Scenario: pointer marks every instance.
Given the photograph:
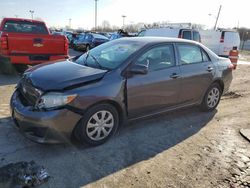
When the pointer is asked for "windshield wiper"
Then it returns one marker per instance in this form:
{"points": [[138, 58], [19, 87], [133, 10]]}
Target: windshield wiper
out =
{"points": [[87, 56], [96, 62]]}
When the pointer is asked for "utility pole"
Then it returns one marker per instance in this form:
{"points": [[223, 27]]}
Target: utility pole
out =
{"points": [[123, 20], [32, 12], [217, 18], [95, 14]]}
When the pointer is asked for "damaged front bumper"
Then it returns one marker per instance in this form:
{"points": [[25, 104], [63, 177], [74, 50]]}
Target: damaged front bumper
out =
{"points": [[55, 126]]}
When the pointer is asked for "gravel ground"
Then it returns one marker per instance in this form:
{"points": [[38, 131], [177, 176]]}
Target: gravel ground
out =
{"points": [[185, 148]]}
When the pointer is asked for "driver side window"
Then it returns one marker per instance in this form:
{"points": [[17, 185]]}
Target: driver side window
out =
{"points": [[158, 58]]}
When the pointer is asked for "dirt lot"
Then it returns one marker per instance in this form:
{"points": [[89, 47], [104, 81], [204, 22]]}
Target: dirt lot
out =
{"points": [[186, 148]]}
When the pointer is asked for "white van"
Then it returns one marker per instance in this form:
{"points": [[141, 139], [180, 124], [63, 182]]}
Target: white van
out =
{"points": [[171, 32], [220, 42]]}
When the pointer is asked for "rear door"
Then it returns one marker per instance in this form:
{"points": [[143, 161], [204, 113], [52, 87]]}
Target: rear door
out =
{"points": [[25, 37], [197, 72], [159, 88]]}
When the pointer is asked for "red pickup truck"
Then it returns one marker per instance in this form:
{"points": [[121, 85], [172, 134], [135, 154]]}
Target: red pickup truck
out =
{"points": [[29, 42]]}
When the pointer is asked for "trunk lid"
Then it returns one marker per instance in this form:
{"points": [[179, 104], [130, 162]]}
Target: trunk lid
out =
{"points": [[28, 44]]}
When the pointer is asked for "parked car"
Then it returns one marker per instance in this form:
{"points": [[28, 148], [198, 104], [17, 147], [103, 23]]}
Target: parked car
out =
{"points": [[106, 34], [29, 42], [76, 38], [119, 34], [221, 41], [90, 40], [122, 80], [172, 32]]}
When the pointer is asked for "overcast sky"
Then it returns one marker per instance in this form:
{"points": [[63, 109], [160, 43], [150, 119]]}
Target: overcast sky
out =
{"points": [[58, 12]]}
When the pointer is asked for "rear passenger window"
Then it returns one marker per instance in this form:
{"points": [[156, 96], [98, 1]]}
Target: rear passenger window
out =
{"points": [[158, 58], [186, 35], [189, 54], [25, 27]]}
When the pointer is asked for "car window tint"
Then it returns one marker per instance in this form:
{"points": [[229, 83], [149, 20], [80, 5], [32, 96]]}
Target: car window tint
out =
{"points": [[189, 54], [187, 35], [158, 58], [196, 36]]}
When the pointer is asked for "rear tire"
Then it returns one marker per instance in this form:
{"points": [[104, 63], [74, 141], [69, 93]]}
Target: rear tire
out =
{"points": [[6, 67], [211, 98], [20, 68], [97, 125]]}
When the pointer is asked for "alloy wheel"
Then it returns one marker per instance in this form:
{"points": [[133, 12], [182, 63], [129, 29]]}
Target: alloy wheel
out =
{"points": [[213, 97]]}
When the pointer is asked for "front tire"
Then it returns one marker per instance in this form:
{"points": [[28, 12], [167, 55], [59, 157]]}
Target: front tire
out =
{"points": [[97, 125], [211, 98]]}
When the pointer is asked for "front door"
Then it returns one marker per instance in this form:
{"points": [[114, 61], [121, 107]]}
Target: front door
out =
{"points": [[159, 88]]}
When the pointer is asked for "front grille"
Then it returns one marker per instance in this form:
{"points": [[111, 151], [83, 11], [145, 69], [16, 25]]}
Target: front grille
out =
{"points": [[29, 95]]}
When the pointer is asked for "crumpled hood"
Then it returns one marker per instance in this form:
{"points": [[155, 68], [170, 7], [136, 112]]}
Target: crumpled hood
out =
{"points": [[61, 75]]}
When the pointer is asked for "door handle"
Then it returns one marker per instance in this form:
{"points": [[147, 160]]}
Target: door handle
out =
{"points": [[174, 75], [209, 69]]}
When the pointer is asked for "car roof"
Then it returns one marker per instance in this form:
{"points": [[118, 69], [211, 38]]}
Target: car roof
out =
{"points": [[156, 40], [99, 36]]}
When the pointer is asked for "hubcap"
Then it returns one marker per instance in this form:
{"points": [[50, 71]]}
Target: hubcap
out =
{"points": [[100, 125], [213, 97]]}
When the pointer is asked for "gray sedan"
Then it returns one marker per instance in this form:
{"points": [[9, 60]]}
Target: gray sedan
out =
{"points": [[90, 96]]}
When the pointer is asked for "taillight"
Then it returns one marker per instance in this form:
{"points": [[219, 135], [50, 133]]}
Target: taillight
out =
{"points": [[231, 66], [66, 45], [4, 42]]}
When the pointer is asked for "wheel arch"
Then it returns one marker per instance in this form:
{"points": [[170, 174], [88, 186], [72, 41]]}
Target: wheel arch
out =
{"points": [[115, 104], [220, 82]]}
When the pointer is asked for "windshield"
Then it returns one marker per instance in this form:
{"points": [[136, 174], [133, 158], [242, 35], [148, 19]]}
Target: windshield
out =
{"points": [[141, 33], [109, 55]]}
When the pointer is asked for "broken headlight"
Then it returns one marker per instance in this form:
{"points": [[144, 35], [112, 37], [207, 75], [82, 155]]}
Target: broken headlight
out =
{"points": [[54, 100]]}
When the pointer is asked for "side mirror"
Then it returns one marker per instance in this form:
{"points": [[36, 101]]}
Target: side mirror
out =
{"points": [[139, 69]]}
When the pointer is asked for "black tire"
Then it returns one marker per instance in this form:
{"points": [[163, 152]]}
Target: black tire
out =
{"points": [[205, 103], [81, 129], [20, 68]]}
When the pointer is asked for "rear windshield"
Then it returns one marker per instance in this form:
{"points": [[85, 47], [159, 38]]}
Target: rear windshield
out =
{"points": [[24, 27]]}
